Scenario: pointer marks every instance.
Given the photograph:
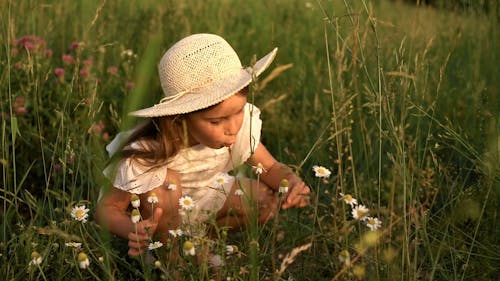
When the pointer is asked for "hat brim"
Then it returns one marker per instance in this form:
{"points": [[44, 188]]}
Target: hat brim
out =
{"points": [[209, 95]]}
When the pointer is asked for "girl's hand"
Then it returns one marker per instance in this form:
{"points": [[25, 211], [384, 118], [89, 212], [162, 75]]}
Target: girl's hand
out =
{"points": [[137, 242], [298, 193]]}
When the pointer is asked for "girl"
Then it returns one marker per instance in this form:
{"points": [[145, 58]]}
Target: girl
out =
{"points": [[202, 129]]}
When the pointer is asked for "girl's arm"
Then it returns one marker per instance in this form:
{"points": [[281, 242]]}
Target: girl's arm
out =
{"points": [[298, 192], [111, 214]]}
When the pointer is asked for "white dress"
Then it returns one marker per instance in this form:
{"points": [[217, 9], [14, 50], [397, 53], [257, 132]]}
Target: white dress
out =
{"points": [[198, 166]]}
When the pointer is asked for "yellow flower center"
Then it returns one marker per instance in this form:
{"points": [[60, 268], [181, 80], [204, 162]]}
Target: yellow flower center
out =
{"points": [[371, 221], [82, 257], [187, 202], [348, 197], [361, 213], [79, 213], [188, 245]]}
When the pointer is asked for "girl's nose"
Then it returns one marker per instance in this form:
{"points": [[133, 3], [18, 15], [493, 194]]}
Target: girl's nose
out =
{"points": [[232, 127]]}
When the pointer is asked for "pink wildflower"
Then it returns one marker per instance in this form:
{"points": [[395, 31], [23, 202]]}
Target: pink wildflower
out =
{"points": [[68, 59], [29, 46], [113, 70], [88, 63], [59, 72], [130, 85], [84, 72], [74, 45]]}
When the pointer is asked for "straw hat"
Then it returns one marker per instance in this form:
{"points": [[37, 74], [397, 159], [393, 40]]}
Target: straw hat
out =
{"points": [[199, 71]]}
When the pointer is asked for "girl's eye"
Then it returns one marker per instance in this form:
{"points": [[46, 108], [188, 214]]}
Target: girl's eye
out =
{"points": [[215, 122]]}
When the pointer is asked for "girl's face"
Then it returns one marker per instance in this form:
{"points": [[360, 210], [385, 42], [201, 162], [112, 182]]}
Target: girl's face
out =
{"points": [[218, 125]]}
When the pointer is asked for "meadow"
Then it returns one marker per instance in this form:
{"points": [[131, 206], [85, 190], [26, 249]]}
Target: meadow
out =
{"points": [[399, 101]]}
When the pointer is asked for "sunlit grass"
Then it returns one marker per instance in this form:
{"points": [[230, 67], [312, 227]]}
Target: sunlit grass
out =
{"points": [[399, 102]]}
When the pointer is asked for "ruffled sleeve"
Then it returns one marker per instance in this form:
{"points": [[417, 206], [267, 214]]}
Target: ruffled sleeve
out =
{"points": [[133, 177], [248, 137]]}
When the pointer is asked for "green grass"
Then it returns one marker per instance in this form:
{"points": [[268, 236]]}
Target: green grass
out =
{"points": [[400, 102]]}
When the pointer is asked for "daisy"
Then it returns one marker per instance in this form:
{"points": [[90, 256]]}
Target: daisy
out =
{"points": [[321, 172], [152, 198], [186, 203], [259, 169], [231, 249], [239, 192], [373, 223], [176, 232], [172, 185], [221, 179], [283, 186], [135, 201], [36, 259], [348, 199], [188, 248], [359, 212], [83, 260], [80, 213], [135, 216], [73, 244], [155, 245]]}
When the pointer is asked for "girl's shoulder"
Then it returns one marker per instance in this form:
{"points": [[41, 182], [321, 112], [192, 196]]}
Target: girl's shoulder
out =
{"points": [[137, 176]]}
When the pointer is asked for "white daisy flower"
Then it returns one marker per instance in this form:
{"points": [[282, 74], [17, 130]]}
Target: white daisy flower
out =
{"points": [[283, 188], [36, 259], [188, 248], [135, 216], [186, 203], [231, 249], [259, 169], [221, 179], [348, 199], [373, 223], [176, 232], [80, 213], [321, 172], [135, 201], [359, 212], [155, 245], [73, 244], [152, 198], [239, 192], [216, 261], [172, 185], [83, 260]]}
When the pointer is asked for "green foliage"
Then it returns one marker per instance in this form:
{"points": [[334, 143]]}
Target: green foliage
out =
{"points": [[400, 102]]}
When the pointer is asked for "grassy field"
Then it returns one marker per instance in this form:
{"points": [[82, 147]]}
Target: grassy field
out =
{"points": [[401, 103]]}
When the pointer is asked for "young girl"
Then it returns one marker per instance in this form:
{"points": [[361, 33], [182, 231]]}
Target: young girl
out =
{"points": [[202, 129]]}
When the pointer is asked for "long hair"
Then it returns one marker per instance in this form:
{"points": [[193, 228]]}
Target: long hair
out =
{"points": [[159, 139]]}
